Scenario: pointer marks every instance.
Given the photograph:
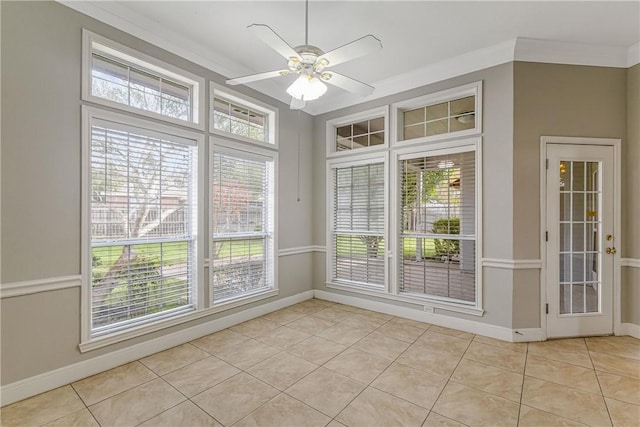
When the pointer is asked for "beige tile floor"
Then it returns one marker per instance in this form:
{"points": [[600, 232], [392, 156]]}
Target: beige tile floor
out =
{"points": [[319, 363]]}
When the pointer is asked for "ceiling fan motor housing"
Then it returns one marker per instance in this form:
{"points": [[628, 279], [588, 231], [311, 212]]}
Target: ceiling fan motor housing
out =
{"points": [[309, 64]]}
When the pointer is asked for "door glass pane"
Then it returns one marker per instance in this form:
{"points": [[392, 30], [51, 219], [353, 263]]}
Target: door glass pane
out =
{"points": [[579, 258]]}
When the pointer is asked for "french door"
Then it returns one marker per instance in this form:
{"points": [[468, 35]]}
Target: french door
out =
{"points": [[581, 241]]}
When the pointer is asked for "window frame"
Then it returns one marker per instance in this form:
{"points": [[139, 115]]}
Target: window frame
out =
{"points": [[92, 42], [271, 114], [337, 163], [398, 108], [87, 342], [391, 150], [217, 144], [436, 149], [333, 124]]}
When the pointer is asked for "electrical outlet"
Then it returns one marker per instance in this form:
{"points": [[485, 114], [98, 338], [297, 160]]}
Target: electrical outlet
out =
{"points": [[428, 309]]}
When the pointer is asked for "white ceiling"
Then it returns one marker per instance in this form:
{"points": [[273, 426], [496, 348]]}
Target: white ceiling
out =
{"points": [[416, 35]]}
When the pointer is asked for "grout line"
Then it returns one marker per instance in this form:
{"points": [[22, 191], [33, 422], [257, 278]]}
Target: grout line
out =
{"points": [[599, 385], [451, 374], [386, 322], [524, 375]]}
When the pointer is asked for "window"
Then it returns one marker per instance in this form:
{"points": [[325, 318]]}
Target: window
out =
{"points": [[241, 118], [367, 133], [358, 133], [123, 78], [240, 121], [438, 230], [143, 223], [440, 115], [445, 117], [413, 202], [358, 224], [242, 222]]}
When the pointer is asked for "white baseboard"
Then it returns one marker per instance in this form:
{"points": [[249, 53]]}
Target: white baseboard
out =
{"points": [[528, 335], [487, 330], [49, 380], [630, 329]]}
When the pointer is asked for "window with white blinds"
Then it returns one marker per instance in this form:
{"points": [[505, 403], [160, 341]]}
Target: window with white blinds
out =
{"points": [[143, 220], [242, 223], [358, 231], [438, 231]]}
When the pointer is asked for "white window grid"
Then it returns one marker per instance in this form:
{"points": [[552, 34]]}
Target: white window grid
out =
{"points": [[422, 102], [364, 116], [247, 130], [148, 68]]}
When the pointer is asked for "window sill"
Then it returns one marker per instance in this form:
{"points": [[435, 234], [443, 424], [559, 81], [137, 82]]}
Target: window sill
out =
{"points": [[426, 303], [159, 325]]}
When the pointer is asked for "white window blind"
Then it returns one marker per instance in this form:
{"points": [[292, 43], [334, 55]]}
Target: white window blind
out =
{"points": [[358, 225], [143, 225], [242, 250], [437, 244], [118, 81]]}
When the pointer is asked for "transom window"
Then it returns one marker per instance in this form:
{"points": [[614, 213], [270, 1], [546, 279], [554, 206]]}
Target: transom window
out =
{"points": [[128, 80], [453, 112], [358, 133], [125, 84], [445, 117], [367, 133], [239, 120]]}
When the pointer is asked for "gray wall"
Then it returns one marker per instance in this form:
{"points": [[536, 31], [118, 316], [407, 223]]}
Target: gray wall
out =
{"points": [[41, 66], [631, 201], [497, 183], [558, 100]]}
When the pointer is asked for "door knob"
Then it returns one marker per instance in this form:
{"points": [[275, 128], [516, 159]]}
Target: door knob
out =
{"points": [[611, 251]]}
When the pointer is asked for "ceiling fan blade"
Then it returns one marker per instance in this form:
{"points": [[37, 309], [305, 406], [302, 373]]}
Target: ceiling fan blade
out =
{"points": [[297, 104], [271, 38], [348, 84], [355, 49], [255, 77]]}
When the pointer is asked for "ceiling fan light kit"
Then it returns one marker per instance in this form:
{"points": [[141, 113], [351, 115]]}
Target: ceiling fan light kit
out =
{"points": [[309, 63], [307, 88]]}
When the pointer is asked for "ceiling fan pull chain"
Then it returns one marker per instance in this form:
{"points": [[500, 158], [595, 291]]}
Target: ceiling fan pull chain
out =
{"points": [[298, 188]]}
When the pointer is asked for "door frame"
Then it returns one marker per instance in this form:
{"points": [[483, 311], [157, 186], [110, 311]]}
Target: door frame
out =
{"points": [[617, 193]]}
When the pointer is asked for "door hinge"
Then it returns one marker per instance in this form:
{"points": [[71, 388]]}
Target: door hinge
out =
{"points": [[547, 308], [547, 163], [546, 236]]}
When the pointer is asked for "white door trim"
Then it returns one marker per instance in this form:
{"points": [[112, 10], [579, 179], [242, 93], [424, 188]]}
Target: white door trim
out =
{"points": [[617, 194]]}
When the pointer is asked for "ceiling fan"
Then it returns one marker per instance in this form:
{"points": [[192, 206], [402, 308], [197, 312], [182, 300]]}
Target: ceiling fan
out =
{"points": [[310, 63]]}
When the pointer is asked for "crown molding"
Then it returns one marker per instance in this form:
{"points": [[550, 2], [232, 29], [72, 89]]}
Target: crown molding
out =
{"points": [[556, 52], [451, 67], [518, 49]]}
